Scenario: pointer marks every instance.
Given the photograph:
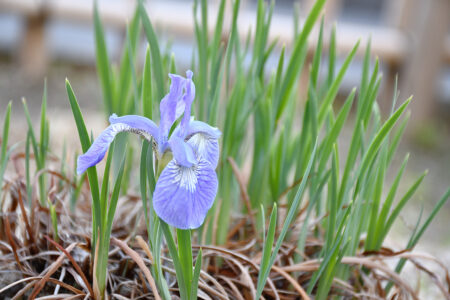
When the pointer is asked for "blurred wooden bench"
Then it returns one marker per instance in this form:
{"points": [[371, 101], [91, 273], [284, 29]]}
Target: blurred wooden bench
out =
{"points": [[415, 40]]}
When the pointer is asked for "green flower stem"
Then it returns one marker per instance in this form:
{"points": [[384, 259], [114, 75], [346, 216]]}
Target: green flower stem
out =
{"points": [[185, 254]]}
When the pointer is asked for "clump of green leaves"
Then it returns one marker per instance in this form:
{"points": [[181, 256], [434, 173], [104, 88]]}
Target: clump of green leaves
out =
{"points": [[348, 191]]}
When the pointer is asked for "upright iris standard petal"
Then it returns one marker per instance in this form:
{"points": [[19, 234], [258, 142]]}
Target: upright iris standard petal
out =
{"points": [[204, 140], [171, 106], [188, 98], [98, 149], [184, 195]]}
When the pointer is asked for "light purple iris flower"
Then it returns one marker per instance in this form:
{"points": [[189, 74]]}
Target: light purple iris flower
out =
{"points": [[187, 186]]}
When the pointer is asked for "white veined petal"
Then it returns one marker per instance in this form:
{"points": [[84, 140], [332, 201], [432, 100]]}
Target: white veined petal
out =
{"points": [[184, 195], [206, 147], [143, 125]]}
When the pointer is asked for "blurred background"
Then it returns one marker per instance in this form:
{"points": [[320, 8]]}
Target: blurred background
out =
{"points": [[54, 39]]}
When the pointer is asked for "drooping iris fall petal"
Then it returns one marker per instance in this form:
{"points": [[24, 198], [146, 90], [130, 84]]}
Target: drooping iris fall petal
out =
{"points": [[184, 195], [98, 149], [142, 124]]}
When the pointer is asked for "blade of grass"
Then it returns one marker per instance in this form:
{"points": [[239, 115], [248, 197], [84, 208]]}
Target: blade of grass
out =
{"points": [[332, 92], [397, 135], [267, 248], [312, 202], [103, 63], [176, 260], [107, 220], [294, 64], [331, 57], [416, 237], [4, 149], [54, 221], [114, 198], [366, 85], [196, 275], [388, 204], [27, 168], [436, 209], [376, 197], [104, 193], [143, 186], [365, 69], [34, 143], [147, 103], [218, 30], [332, 252], [43, 144], [327, 145], [135, 89], [201, 34], [290, 216], [126, 71], [331, 268], [37, 148], [92, 172], [332, 205], [154, 50], [378, 139], [43, 141], [317, 57], [393, 216]]}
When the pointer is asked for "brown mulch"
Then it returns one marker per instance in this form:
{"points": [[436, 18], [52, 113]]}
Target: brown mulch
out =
{"points": [[35, 264]]}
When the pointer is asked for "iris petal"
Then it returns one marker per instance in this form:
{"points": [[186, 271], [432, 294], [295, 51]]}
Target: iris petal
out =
{"points": [[98, 149], [131, 123], [171, 106], [184, 195], [206, 148], [188, 98], [202, 127], [204, 140], [182, 152], [140, 123]]}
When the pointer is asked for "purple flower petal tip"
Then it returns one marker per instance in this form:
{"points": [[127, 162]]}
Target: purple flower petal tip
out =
{"points": [[88, 160], [112, 118], [99, 147]]}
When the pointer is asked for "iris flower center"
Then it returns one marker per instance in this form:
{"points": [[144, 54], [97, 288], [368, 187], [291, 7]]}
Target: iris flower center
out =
{"points": [[185, 177]]}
